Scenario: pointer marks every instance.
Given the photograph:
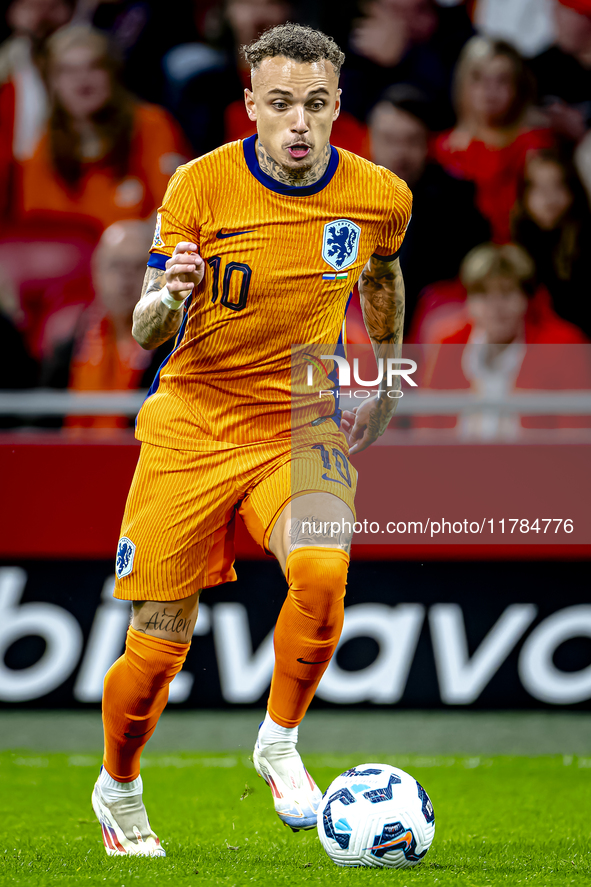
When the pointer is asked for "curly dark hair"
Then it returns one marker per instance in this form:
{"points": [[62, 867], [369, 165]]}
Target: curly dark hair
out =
{"points": [[297, 42]]}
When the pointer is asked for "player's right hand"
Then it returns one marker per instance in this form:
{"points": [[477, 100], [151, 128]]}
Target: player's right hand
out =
{"points": [[184, 270]]}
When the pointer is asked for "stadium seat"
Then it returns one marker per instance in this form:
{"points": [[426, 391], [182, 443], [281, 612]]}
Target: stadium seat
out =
{"points": [[48, 258]]}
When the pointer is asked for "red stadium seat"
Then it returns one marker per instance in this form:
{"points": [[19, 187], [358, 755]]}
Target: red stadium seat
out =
{"points": [[48, 258]]}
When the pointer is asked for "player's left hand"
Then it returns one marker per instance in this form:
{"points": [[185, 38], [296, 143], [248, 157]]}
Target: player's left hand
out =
{"points": [[366, 423]]}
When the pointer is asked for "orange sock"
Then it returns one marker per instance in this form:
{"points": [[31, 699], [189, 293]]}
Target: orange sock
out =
{"points": [[135, 695], [308, 629]]}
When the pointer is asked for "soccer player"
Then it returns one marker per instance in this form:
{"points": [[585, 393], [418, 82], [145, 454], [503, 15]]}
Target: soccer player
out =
{"points": [[257, 247]]}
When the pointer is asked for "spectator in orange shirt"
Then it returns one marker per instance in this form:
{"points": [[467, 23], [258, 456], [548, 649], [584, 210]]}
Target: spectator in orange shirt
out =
{"points": [[23, 96], [489, 145], [103, 355], [105, 156]]}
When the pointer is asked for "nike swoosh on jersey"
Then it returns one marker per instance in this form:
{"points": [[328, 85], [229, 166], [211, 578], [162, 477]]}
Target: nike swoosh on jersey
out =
{"points": [[333, 479], [136, 735], [305, 662], [220, 235]]}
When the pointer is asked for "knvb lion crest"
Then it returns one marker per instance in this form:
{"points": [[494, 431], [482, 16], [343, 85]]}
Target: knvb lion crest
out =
{"points": [[340, 244], [125, 556]]}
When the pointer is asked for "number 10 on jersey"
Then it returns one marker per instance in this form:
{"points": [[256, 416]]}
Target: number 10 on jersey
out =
{"points": [[228, 299]]}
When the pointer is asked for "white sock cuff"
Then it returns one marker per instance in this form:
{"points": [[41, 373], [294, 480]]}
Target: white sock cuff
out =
{"points": [[113, 790], [271, 732]]}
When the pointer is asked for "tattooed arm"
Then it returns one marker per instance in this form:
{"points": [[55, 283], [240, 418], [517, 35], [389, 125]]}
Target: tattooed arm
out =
{"points": [[153, 322], [381, 290]]}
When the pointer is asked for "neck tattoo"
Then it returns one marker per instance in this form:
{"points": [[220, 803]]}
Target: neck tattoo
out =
{"points": [[297, 177]]}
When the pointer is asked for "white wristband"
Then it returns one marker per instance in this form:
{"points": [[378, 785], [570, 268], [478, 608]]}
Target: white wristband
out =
{"points": [[167, 299]]}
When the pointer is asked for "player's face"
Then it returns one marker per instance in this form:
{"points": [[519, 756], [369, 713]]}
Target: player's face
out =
{"points": [[294, 105]]}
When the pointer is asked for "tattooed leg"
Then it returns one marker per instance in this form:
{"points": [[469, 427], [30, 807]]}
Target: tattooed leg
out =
{"points": [[136, 690], [173, 621], [311, 541], [318, 519]]}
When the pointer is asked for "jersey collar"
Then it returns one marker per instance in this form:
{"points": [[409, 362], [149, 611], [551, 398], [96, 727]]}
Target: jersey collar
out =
{"points": [[289, 190]]}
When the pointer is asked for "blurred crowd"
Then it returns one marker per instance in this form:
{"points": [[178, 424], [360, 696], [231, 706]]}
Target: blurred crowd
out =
{"points": [[482, 106]]}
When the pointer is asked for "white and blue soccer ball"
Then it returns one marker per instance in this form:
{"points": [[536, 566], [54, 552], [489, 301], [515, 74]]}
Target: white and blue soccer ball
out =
{"points": [[378, 816]]}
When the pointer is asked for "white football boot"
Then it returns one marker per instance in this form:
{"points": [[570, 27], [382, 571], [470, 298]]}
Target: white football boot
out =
{"points": [[295, 794], [124, 823]]}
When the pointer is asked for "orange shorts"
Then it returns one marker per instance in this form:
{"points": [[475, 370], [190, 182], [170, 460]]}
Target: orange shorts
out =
{"points": [[177, 534]]}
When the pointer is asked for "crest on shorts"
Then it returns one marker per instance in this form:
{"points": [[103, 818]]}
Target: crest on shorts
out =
{"points": [[157, 238], [340, 243], [125, 556]]}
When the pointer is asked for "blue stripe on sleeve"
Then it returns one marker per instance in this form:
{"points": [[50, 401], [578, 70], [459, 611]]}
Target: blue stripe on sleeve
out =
{"points": [[157, 260]]}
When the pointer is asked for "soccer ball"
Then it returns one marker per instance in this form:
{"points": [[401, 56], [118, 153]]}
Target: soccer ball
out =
{"points": [[376, 815]]}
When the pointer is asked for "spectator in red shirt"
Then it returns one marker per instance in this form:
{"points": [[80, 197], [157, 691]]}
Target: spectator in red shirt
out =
{"points": [[489, 144], [105, 156], [501, 285], [552, 221], [399, 128], [496, 358]]}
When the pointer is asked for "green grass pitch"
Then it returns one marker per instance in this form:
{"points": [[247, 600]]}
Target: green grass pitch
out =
{"points": [[499, 820]]}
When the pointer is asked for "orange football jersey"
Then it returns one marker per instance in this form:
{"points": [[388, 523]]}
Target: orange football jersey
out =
{"points": [[281, 262]]}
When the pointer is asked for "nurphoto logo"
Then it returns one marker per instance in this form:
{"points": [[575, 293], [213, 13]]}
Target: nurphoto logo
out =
{"points": [[401, 367]]}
